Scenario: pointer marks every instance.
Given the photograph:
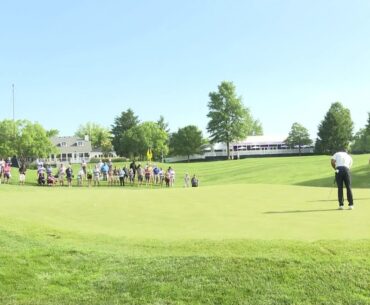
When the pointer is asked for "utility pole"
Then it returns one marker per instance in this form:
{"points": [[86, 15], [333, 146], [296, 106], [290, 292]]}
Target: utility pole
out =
{"points": [[14, 128], [13, 105]]}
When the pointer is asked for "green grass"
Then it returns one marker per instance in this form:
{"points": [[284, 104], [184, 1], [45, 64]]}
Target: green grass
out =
{"points": [[257, 231], [306, 171]]}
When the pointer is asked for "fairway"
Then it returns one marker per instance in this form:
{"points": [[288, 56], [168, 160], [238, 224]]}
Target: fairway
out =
{"points": [[268, 234]]}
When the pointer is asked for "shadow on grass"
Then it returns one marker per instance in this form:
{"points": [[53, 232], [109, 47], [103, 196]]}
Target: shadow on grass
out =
{"points": [[360, 179], [299, 211], [331, 200]]}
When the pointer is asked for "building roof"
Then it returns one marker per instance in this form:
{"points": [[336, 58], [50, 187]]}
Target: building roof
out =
{"points": [[253, 141], [262, 140], [71, 144]]}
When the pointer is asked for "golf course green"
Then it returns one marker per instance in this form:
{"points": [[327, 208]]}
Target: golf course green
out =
{"points": [[256, 231]]}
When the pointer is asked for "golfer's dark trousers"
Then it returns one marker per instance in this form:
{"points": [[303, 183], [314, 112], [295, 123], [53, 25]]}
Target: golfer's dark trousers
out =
{"points": [[343, 176]]}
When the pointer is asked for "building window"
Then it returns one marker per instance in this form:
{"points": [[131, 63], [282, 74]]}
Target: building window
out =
{"points": [[63, 144], [80, 143]]}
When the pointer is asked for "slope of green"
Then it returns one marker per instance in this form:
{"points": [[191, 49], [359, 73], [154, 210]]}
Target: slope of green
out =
{"points": [[307, 171]]}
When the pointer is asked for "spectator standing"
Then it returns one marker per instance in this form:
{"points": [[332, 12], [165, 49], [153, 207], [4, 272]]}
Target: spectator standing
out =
{"points": [[131, 176], [7, 172], [121, 174], [96, 174], [89, 176], [2, 164], [133, 167], [61, 174], [69, 175], [22, 174], [171, 172], [194, 181], [104, 170], [187, 180], [156, 174], [80, 177], [140, 174]]}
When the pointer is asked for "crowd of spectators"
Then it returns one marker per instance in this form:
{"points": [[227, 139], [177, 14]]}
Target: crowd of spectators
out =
{"points": [[93, 175]]}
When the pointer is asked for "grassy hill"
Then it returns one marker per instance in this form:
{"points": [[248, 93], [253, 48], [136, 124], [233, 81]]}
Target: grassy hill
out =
{"points": [[257, 231], [306, 171]]}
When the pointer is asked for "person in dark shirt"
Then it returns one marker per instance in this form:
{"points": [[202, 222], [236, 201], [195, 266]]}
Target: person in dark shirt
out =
{"points": [[69, 175], [194, 181], [22, 174]]}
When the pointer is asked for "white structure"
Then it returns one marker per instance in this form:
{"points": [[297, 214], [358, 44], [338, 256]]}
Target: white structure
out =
{"points": [[71, 149], [75, 150], [251, 146]]}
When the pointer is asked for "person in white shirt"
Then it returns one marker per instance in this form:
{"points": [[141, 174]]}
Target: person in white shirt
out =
{"points": [[186, 180], [342, 162]]}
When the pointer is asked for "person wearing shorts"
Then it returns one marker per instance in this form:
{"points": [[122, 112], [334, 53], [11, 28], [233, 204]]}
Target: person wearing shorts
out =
{"points": [[22, 174], [140, 175], [7, 174], [96, 175], [61, 174]]}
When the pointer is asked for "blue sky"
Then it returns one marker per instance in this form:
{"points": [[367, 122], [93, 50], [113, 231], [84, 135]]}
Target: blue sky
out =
{"points": [[79, 61]]}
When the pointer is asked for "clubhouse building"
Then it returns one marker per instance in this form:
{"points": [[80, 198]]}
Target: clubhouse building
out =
{"points": [[74, 150], [252, 146], [77, 150]]}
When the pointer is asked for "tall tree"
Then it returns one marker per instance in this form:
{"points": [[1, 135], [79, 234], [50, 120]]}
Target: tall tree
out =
{"points": [[186, 141], [98, 135], [229, 119], [335, 131], [298, 136], [25, 140], [122, 124], [163, 124]]}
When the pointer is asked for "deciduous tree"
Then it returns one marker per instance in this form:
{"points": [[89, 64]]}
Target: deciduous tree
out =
{"points": [[146, 135], [98, 135], [123, 124], [25, 140], [229, 119], [186, 141], [298, 136], [361, 141], [335, 131]]}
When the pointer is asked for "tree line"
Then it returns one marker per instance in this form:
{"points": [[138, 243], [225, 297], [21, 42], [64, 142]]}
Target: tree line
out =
{"points": [[228, 121]]}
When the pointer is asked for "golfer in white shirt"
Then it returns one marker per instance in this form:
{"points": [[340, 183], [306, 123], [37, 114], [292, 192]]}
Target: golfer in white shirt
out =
{"points": [[342, 162]]}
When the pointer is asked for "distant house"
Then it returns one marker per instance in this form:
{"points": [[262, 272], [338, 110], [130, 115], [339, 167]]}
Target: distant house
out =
{"points": [[71, 149], [75, 150]]}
